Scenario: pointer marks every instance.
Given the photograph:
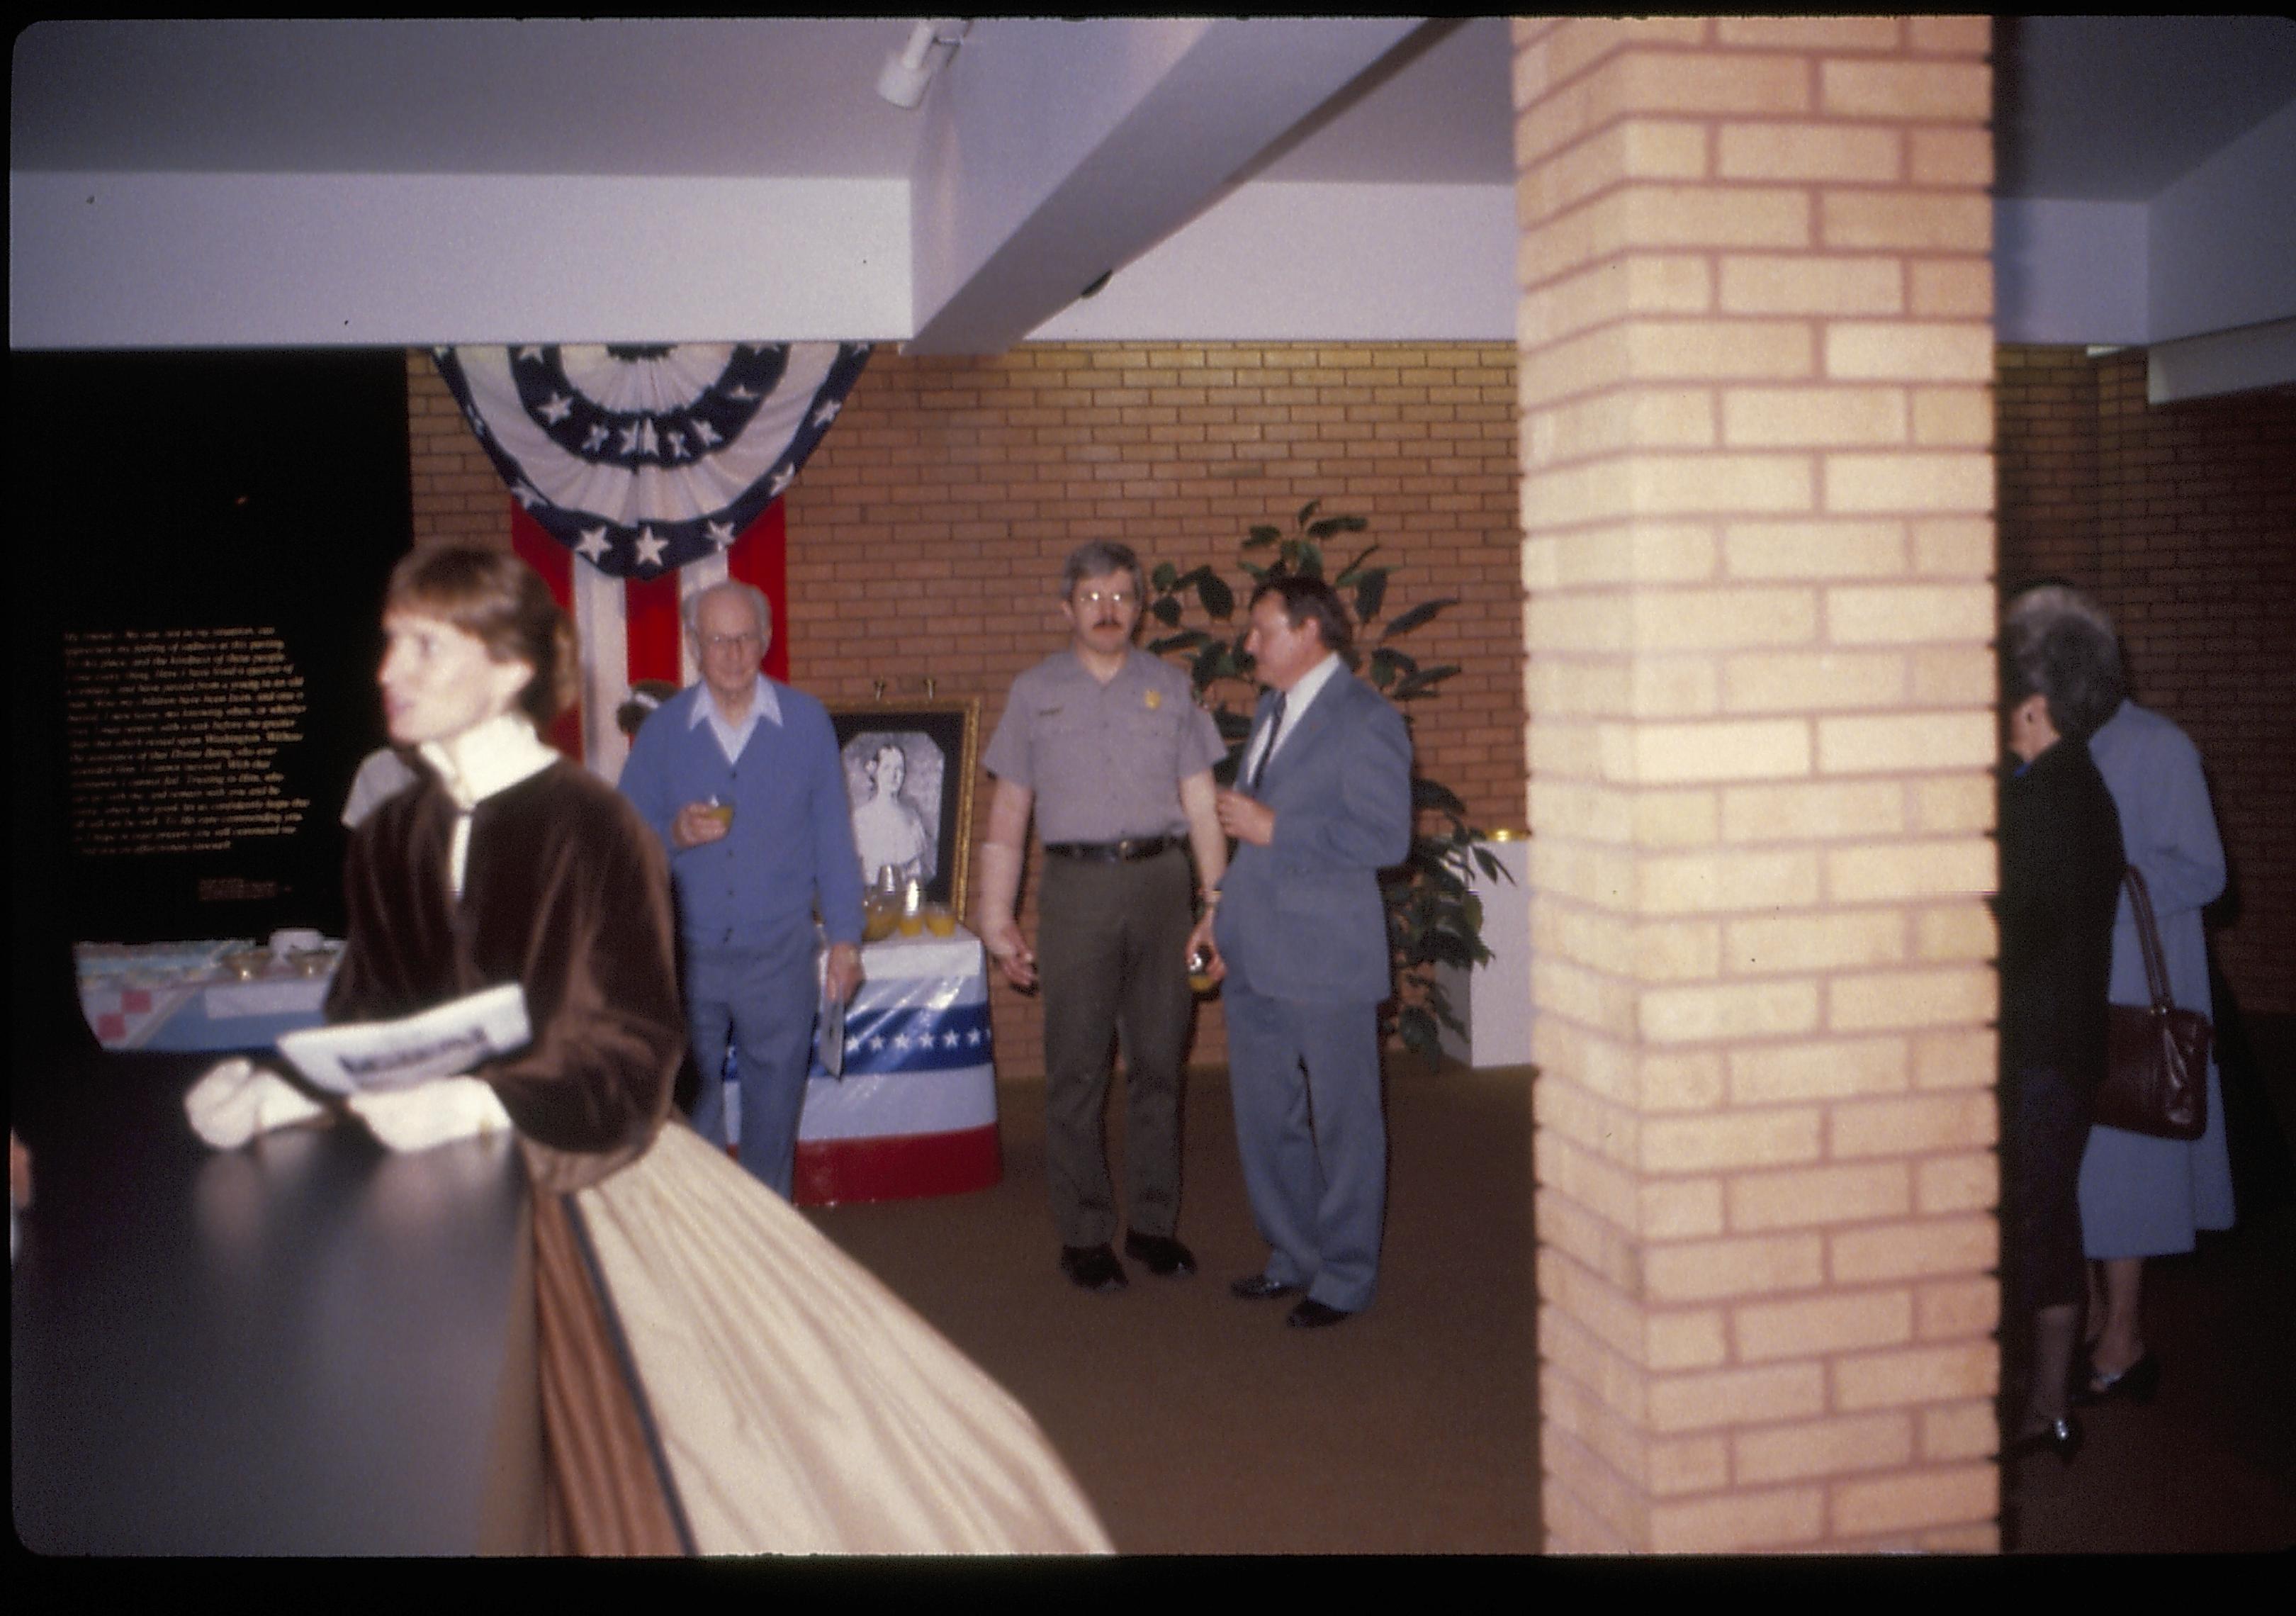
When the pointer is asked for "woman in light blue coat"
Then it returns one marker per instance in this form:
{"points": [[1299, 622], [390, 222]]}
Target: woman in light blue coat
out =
{"points": [[2141, 1196]]}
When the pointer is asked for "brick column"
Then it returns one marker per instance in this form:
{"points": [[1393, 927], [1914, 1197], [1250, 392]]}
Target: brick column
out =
{"points": [[1757, 501]]}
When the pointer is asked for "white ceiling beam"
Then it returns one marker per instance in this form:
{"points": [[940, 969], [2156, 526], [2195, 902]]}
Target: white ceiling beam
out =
{"points": [[291, 260], [1057, 152], [2222, 362]]}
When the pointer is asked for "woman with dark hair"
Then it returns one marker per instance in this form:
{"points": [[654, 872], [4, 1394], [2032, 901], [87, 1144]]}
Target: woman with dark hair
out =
{"points": [[508, 863], [706, 1357], [2061, 871]]}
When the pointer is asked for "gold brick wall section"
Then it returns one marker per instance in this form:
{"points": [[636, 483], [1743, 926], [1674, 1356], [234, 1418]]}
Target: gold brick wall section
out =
{"points": [[926, 536], [457, 492], [1757, 486]]}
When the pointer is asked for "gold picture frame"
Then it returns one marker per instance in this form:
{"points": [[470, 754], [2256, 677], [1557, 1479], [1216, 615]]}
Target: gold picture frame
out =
{"points": [[922, 826]]}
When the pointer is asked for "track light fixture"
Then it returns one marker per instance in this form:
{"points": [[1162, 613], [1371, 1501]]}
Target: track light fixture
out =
{"points": [[908, 71]]}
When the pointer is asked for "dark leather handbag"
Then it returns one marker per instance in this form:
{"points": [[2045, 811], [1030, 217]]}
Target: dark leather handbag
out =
{"points": [[2156, 1078]]}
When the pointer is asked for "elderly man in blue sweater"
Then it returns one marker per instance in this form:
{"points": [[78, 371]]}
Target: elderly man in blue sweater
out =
{"points": [[739, 777]]}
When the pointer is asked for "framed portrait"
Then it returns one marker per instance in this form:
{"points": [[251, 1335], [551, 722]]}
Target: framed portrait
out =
{"points": [[908, 775]]}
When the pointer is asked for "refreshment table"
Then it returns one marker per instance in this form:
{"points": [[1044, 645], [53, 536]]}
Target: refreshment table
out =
{"points": [[179, 998]]}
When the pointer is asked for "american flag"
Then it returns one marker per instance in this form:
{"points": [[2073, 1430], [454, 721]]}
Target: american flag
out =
{"points": [[642, 475]]}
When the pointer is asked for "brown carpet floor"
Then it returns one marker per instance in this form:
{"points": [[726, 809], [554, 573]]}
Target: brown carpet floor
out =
{"points": [[1199, 1425]]}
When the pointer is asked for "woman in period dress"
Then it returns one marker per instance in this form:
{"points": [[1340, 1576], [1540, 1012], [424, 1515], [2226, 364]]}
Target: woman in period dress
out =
{"points": [[777, 1399], [2061, 868]]}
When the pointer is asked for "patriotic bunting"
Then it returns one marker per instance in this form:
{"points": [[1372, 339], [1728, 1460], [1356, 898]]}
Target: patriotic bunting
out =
{"points": [[642, 475], [642, 459]]}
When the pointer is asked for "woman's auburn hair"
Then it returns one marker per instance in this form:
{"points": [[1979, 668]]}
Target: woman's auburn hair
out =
{"points": [[500, 603]]}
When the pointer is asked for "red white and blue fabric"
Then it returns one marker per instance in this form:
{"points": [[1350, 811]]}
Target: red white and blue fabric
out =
{"points": [[915, 1112], [642, 475]]}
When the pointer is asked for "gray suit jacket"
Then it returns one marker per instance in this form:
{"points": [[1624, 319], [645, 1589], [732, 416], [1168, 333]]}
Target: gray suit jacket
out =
{"points": [[1302, 918]]}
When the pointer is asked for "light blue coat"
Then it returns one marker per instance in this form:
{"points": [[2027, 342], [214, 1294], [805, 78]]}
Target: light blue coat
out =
{"points": [[2141, 1197]]}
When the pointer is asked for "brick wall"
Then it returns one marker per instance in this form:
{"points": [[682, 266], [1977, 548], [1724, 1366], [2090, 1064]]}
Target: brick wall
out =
{"points": [[927, 534], [1757, 489], [2181, 519], [457, 492]]}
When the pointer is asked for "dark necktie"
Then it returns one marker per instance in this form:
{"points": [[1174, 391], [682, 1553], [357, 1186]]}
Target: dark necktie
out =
{"points": [[1274, 728]]}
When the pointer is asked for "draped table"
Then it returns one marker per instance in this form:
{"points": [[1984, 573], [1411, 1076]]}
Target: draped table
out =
{"points": [[175, 997], [915, 1112]]}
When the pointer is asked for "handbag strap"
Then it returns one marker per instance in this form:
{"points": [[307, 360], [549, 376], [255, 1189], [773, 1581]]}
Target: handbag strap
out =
{"points": [[2148, 939]]}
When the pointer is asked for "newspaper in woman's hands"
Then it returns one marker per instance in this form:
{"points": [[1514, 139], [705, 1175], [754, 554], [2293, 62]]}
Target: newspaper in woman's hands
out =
{"points": [[443, 1041]]}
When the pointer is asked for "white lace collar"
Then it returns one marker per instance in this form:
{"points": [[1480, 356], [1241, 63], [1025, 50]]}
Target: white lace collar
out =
{"points": [[488, 758]]}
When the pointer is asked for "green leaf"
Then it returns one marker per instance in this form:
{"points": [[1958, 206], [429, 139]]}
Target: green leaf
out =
{"points": [[1348, 573], [1370, 594], [1329, 525], [1392, 662], [1427, 793], [1219, 600], [1417, 1030], [1188, 639], [1262, 537], [1423, 612], [1421, 682], [1310, 559], [1165, 611], [1163, 579], [1305, 511]]}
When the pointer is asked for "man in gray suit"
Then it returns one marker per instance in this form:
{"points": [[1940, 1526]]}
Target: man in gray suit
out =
{"points": [[1324, 805]]}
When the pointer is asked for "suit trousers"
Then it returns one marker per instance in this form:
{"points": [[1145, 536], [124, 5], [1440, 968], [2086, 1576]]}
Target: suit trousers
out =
{"points": [[1312, 1131], [1111, 946], [761, 1001]]}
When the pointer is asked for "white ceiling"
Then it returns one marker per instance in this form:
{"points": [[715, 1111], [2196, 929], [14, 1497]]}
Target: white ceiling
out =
{"points": [[2090, 108]]}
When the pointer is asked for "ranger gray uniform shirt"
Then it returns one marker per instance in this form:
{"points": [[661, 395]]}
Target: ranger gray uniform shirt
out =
{"points": [[1104, 761]]}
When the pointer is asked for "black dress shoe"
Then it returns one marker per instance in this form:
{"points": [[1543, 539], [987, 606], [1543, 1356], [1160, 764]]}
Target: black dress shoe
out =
{"points": [[1313, 1315], [2062, 1438], [2138, 1383], [1092, 1267], [1160, 1254], [1258, 1287]]}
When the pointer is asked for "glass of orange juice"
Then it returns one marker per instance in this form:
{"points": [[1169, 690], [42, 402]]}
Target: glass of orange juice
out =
{"points": [[1200, 971]]}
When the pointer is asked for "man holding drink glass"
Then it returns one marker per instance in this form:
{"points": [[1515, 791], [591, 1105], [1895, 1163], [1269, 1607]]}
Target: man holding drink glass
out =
{"points": [[739, 777]]}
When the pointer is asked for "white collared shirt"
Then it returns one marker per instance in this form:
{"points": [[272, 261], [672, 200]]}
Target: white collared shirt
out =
{"points": [[473, 766], [1296, 700], [733, 737]]}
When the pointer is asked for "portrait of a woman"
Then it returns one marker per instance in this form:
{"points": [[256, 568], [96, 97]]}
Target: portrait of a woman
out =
{"points": [[889, 829]]}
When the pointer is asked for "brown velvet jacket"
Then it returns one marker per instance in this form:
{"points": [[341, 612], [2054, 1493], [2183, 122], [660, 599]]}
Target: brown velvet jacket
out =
{"points": [[566, 892]]}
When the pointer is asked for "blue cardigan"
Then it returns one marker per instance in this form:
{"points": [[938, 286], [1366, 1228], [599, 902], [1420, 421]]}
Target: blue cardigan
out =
{"points": [[790, 852]]}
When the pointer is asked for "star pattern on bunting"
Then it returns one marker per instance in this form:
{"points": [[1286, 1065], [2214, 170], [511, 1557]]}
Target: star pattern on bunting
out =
{"points": [[626, 454]]}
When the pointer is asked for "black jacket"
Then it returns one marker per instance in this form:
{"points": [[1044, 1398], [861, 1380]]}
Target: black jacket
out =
{"points": [[2061, 871]]}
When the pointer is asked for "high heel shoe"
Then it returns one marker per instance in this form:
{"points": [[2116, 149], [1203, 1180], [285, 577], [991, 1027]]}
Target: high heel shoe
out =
{"points": [[2137, 1383], [2063, 1437]]}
